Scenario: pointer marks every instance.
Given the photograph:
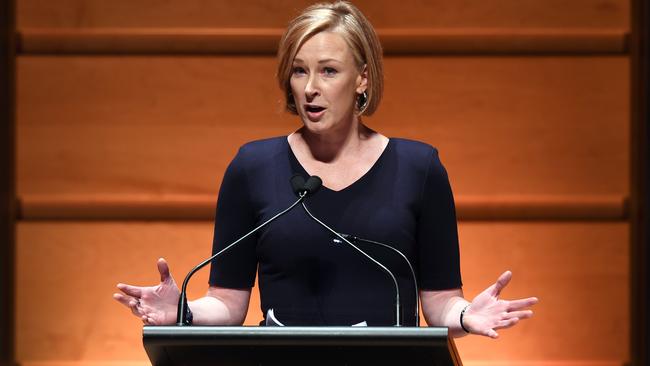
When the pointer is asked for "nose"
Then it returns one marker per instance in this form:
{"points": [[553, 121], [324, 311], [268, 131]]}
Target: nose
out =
{"points": [[311, 88]]}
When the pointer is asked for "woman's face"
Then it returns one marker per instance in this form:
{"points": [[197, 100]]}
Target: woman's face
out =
{"points": [[325, 82]]}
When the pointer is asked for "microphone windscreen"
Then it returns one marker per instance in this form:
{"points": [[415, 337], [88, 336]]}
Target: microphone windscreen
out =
{"points": [[297, 183], [313, 184]]}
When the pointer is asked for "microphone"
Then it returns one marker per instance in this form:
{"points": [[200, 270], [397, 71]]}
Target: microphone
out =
{"points": [[415, 280], [183, 314], [297, 183], [311, 186]]}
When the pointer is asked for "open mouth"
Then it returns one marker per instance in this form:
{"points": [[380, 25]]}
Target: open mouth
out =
{"points": [[314, 108], [314, 112]]}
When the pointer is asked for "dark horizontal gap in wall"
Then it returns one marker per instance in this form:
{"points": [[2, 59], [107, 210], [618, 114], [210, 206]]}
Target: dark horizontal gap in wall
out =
{"points": [[264, 41], [202, 207]]}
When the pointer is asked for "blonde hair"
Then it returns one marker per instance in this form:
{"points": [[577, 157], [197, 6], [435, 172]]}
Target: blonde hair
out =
{"points": [[348, 21]]}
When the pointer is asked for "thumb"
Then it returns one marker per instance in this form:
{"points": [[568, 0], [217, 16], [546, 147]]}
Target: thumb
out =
{"points": [[163, 269], [502, 282]]}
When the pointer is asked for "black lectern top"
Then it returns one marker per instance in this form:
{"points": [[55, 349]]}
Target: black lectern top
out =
{"points": [[234, 346]]}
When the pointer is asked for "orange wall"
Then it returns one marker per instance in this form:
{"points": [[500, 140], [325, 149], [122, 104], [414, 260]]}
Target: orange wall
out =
{"points": [[546, 124]]}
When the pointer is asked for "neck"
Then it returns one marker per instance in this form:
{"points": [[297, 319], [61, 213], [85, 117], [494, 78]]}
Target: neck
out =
{"points": [[327, 147]]}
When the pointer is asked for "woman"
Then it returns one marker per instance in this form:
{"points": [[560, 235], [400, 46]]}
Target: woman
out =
{"points": [[390, 190]]}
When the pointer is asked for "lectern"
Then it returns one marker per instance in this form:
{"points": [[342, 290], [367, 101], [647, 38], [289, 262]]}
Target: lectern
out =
{"points": [[235, 346]]}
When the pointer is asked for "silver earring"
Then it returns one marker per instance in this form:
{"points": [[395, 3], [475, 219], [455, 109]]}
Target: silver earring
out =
{"points": [[362, 100]]}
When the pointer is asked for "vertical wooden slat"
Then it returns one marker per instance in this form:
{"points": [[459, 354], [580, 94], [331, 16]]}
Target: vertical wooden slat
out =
{"points": [[640, 199], [7, 181]]}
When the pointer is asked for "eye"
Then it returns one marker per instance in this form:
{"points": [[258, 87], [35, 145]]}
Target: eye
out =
{"points": [[297, 70], [329, 71]]}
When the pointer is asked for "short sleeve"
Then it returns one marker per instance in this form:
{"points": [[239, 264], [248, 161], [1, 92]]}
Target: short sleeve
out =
{"points": [[237, 267], [439, 257]]}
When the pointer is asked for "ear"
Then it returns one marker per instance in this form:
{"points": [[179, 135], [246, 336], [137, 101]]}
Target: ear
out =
{"points": [[362, 80]]}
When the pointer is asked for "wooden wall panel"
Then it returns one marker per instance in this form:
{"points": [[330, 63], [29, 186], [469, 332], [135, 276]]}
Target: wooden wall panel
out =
{"points": [[383, 13], [515, 124], [504, 125], [579, 271]]}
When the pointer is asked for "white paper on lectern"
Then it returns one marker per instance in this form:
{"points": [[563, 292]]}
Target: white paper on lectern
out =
{"points": [[272, 321]]}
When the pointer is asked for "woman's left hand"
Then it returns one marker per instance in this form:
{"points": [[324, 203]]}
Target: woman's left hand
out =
{"points": [[487, 312]]}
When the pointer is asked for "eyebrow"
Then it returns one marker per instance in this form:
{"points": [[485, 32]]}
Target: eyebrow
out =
{"points": [[326, 60]]}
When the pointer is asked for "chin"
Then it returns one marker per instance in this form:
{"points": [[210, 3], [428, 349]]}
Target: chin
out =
{"points": [[315, 127]]}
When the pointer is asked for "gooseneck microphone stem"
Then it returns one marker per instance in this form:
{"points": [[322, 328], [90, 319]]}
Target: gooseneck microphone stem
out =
{"points": [[397, 301], [415, 280], [183, 309]]}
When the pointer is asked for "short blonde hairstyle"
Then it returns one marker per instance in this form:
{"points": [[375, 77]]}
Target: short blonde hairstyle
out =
{"points": [[348, 21]]}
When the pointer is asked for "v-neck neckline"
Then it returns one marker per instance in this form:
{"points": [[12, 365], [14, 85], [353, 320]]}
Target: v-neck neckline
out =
{"points": [[358, 181]]}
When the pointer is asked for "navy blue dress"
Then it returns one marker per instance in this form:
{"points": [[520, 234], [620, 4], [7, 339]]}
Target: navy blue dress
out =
{"points": [[306, 276]]}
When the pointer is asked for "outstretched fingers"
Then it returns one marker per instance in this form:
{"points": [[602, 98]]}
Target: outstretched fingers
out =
{"points": [[144, 301], [488, 313], [522, 314], [506, 323], [502, 324], [514, 305], [122, 299], [149, 319], [130, 302], [491, 333], [133, 291]]}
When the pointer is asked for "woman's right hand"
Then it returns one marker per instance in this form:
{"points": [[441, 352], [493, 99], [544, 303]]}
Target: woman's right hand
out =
{"points": [[154, 305]]}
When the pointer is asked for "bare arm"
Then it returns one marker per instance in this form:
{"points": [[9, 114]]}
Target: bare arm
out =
{"points": [[442, 309], [221, 306]]}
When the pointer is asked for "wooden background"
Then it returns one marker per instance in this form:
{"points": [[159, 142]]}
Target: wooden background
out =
{"points": [[129, 111]]}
